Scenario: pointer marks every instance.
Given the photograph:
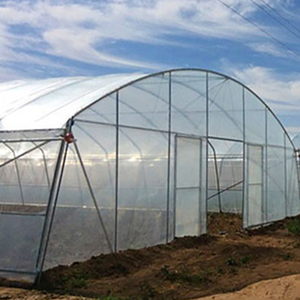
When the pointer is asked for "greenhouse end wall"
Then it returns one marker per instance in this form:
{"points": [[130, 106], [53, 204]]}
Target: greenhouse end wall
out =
{"points": [[147, 163]]}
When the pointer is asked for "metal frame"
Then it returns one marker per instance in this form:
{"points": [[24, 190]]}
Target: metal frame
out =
{"points": [[297, 171], [23, 154], [244, 158], [173, 132], [23, 214], [169, 159], [176, 70], [217, 177], [17, 271], [78, 169], [44, 215], [206, 150], [285, 179], [175, 185], [262, 183], [199, 187], [93, 196], [200, 229], [30, 140], [204, 141], [265, 210], [226, 189], [18, 172], [101, 146], [248, 161], [53, 197], [45, 165], [117, 173]]}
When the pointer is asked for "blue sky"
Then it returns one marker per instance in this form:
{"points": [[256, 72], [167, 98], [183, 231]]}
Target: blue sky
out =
{"points": [[54, 38]]}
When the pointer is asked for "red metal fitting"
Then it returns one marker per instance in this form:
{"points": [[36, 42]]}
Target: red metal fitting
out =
{"points": [[69, 137]]}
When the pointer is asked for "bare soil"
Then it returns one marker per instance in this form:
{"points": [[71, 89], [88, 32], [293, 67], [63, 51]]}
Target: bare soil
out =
{"points": [[287, 288], [225, 260]]}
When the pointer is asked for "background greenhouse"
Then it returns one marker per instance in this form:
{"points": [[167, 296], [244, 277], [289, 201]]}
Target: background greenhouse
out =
{"points": [[92, 165]]}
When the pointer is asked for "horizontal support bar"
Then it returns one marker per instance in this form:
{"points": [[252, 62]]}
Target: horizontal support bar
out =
{"points": [[17, 272], [22, 214], [188, 188], [30, 140]]}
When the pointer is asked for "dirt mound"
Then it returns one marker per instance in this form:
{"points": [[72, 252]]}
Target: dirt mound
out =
{"points": [[224, 223], [287, 288], [226, 260]]}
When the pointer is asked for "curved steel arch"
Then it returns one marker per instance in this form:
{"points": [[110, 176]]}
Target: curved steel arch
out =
{"points": [[170, 71]]}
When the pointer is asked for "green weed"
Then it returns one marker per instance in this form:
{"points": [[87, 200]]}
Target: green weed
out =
{"points": [[245, 260], [110, 298], [293, 226], [184, 276], [147, 291], [231, 262], [77, 282]]}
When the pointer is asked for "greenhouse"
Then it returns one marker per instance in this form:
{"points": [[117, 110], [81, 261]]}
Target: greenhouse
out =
{"points": [[92, 165]]}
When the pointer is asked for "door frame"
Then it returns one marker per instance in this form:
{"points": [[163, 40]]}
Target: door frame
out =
{"points": [[247, 185], [201, 187]]}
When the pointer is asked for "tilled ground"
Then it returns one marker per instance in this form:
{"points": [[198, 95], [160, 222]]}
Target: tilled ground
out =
{"points": [[227, 259]]}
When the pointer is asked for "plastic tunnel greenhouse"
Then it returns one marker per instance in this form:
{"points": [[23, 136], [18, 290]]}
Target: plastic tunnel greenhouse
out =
{"points": [[92, 165]]}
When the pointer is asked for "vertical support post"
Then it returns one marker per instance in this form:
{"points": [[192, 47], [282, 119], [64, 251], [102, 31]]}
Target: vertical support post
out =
{"points": [[18, 172], [285, 178], [52, 201], [296, 153], [245, 167], [175, 186], [45, 165], [265, 187], [247, 186], [117, 174], [46, 168], [206, 150], [77, 173], [262, 183], [200, 187], [169, 160]]}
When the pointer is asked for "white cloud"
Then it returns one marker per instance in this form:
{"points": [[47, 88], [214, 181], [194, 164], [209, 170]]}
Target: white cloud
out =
{"points": [[81, 31], [269, 48], [79, 46], [281, 92]]}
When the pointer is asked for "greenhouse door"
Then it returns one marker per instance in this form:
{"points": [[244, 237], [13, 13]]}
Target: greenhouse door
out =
{"points": [[190, 200], [253, 188]]}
